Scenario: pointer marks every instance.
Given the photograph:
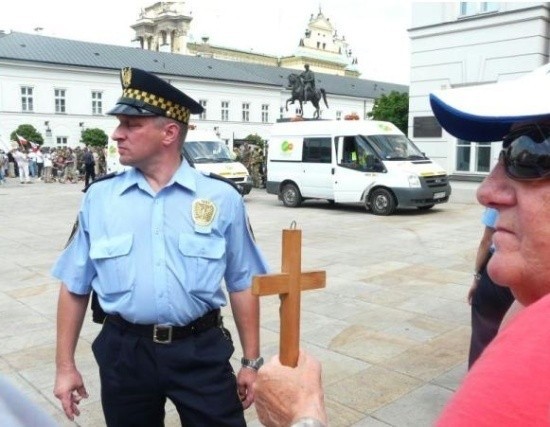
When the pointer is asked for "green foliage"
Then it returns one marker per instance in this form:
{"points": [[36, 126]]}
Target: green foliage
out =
{"points": [[255, 140], [94, 137], [28, 132], [392, 108]]}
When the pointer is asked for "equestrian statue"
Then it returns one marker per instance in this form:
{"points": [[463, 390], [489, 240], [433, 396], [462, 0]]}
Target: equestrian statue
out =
{"points": [[304, 90]]}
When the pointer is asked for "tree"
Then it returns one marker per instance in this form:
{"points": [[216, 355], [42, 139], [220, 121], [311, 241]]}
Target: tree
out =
{"points": [[28, 132], [392, 108], [94, 137], [255, 140]]}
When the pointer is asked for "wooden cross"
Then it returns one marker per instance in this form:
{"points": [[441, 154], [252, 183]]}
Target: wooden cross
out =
{"points": [[288, 285]]}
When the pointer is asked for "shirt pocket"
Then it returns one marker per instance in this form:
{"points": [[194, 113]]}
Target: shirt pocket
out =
{"points": [[203, 260], [114, 265]]}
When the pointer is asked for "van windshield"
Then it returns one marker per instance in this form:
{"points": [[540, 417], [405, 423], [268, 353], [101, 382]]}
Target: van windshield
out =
{"points": [[394, 147], [208, 151]]}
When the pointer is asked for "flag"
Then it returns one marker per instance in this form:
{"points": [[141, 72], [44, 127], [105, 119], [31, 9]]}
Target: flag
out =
{"points": [[22, 140]]}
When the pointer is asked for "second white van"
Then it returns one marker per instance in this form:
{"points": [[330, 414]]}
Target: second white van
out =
{"points": [[352, 161]]}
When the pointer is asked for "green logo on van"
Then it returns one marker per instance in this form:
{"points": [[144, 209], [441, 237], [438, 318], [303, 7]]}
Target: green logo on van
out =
{"points": [[286, 146]]}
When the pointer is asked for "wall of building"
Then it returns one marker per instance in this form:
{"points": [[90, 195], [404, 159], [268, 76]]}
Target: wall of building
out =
{"points": [[79, 82], [449, 49]]}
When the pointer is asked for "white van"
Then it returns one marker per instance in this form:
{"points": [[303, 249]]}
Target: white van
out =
{"points": [[352, 161], [206, 152]]}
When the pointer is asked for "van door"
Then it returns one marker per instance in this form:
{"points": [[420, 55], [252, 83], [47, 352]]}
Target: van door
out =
{"points": [[316, 179], [357, 168]]}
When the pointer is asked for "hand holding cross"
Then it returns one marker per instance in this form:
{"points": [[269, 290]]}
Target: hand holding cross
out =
{"points": [[289, 284]]}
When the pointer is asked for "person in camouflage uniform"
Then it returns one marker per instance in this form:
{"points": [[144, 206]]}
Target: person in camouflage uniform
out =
{"points": [[256, 167]]}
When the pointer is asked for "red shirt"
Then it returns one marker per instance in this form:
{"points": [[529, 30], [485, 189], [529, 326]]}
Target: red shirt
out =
{"points": [[509, 385]]}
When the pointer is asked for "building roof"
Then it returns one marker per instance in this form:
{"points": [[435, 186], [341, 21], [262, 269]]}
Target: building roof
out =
{"points": [[17, 46]]}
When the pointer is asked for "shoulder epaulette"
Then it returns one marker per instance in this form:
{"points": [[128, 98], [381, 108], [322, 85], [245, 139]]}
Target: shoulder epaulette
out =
{"points": [[102, 178], [231, 183]]}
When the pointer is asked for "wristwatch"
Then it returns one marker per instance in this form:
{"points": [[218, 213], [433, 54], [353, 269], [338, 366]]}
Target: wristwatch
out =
{"points": [[252, 363]]}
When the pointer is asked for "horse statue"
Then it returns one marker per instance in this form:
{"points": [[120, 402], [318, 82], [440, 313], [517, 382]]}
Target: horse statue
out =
{"points": [[297, 87]]}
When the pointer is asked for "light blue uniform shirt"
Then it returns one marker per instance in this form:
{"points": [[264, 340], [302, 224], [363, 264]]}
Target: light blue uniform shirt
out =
{"points": [[149, 259]]}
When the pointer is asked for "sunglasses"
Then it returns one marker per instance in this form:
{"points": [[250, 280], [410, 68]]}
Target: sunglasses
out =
{"points": [[526, 153]]}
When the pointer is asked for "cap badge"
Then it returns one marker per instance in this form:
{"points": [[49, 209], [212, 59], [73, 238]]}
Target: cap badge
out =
{"points": [[126, 76], [203, 212]]}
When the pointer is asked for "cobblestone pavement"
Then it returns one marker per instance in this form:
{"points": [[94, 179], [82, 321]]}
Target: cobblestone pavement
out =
{"points": [[391, 327]]}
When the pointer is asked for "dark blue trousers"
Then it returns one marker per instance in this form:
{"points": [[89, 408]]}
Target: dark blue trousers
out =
{"points": [[138, 375]]}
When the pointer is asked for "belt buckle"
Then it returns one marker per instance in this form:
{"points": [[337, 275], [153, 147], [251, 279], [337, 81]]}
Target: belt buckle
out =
{"points": [[162, 334]]}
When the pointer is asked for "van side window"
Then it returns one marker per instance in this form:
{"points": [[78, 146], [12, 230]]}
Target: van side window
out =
{"points": [[356, 154], [317, 150]]}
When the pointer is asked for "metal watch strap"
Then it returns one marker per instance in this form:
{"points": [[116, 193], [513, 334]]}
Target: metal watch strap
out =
{"points": [[252, 363]]}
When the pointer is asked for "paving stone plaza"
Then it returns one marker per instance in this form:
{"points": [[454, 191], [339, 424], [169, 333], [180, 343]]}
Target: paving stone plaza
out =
{"points": [[391, 327]]}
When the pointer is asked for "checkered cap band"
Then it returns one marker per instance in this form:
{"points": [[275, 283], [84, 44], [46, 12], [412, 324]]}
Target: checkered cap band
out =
{"points": [[171, 109]]}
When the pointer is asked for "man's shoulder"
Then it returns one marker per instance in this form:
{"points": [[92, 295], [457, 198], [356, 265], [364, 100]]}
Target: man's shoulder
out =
{"points": [[221, 179], [103, 179]]}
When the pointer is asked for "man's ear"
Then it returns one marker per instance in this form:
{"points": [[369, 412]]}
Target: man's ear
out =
{"points": [[172, 132]]}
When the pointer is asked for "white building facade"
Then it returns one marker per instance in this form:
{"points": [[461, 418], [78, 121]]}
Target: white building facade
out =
{"points": [[456, 44], [62, 87]]}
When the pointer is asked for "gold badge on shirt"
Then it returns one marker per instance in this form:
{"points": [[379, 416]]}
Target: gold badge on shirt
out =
{"points": [[203, 212]]}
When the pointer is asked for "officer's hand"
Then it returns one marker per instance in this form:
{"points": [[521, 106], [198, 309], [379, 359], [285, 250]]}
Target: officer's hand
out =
{"points": [[245, 382], [69, 389]]}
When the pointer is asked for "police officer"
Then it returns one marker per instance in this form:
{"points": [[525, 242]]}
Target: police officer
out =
{"points": [[154, 243]]}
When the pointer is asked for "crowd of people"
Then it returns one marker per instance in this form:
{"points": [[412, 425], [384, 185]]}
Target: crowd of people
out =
{"points": [[52, 164]]}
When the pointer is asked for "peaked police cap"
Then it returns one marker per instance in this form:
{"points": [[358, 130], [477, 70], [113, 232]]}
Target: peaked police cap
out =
{"points": [[145, 94]]}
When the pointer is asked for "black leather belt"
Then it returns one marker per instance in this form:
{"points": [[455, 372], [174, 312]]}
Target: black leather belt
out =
{"points": [[166, 334]]}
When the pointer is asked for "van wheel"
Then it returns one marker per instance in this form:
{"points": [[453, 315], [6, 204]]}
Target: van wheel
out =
{"points": [[291, 196], [382, 202]]}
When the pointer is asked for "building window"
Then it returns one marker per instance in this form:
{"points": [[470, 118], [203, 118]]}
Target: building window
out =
{"points": [[426, 127], [225, 111], [26, 99], [203, 105], [97, 103], [59, 101], [246, 111], [265, 113], [468, 8], [281, 112], [61, 140], [338, 115]]}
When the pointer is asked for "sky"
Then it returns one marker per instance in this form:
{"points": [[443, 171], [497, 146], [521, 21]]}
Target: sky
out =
{"points": [[375, 30]]}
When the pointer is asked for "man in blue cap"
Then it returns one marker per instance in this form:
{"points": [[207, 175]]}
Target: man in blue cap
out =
{"points": [[154, 243]]}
